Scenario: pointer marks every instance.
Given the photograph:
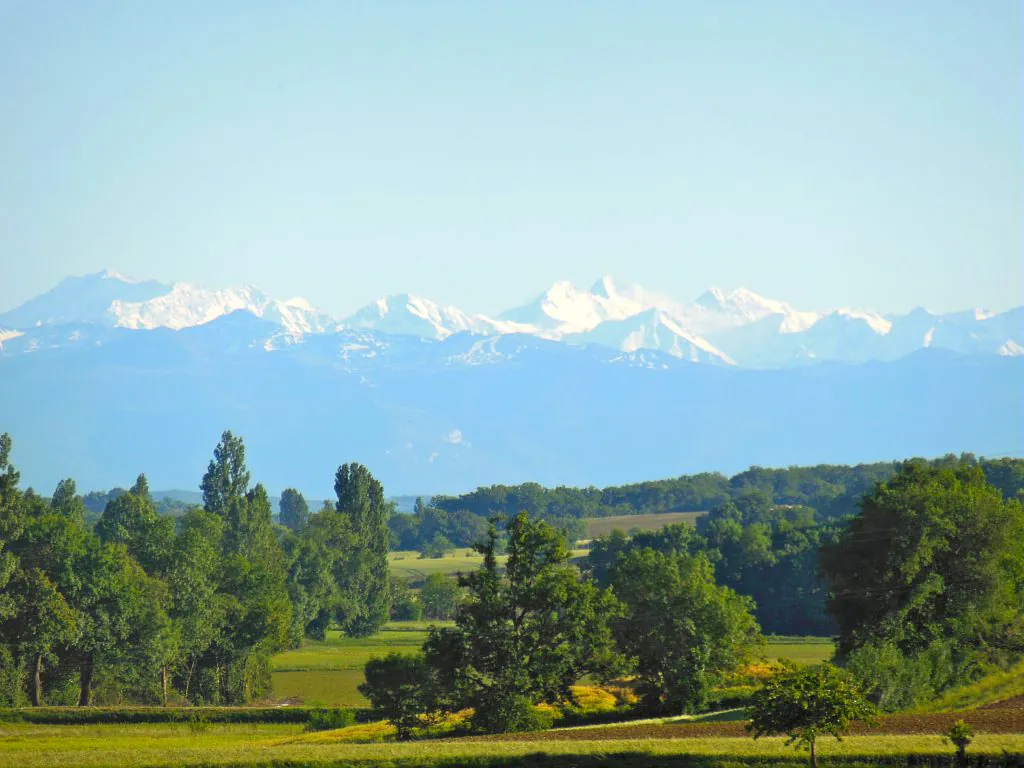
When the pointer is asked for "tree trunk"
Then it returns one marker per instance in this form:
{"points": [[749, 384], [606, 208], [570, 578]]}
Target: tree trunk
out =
{"points": [[163, 682], [37, 682], [85, 681], [188, 678], [814, 762]]}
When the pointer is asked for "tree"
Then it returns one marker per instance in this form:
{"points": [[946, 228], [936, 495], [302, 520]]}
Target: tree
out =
{"points": [[935, 554], [684, 630], [12, 525], [46, 585], [361, 499], [198, 610], [44, 624], [523, 636], [439, 596], [806, 703], [294, 509], [67, 502], [960, 735], [227, 477], [400, 688], [252, 579], [405, 603], [122, 620], [437, 547], [131, 519]]}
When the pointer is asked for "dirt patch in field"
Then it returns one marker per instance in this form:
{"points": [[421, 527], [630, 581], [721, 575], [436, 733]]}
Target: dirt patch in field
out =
{"points": [[1006, 720], [1017, 702]]}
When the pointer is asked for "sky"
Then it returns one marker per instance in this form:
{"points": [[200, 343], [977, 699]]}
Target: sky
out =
{"points": [[825, 153]]}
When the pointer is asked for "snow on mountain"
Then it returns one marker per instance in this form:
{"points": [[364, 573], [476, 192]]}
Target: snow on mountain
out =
{"points": [[415, 316], [737, 327], [81, 299], [717, 310], [188, 305], [653, 329], [563, 308], [6, 334], [873, 320]]}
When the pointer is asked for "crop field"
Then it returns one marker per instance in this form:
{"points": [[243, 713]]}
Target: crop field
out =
{"points": [[118, 746], [599, 526], [328, 672], [409, 565]]}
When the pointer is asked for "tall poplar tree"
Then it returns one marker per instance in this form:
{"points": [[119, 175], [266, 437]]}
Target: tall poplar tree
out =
{"points": [[257, 613], [365, 575]]}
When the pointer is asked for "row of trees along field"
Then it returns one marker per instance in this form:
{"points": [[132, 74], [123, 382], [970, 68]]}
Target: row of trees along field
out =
{"points": [[925, 584], [145, 608], [831, 490]]}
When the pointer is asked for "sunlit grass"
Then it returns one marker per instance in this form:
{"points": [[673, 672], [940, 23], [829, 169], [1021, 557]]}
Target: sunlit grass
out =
{"points": [[107, 746]]}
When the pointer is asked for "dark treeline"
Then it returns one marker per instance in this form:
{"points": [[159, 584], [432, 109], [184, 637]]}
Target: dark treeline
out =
{"points": [[148, 608]]}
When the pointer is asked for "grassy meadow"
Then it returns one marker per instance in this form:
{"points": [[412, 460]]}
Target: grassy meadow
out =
{"points": [[328, 672]]}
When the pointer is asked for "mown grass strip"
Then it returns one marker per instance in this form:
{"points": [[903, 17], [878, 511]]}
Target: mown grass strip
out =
{"points": [[26, 746]]}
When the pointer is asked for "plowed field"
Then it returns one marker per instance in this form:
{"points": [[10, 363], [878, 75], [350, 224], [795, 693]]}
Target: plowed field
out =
{"points": [[1005, 720]]}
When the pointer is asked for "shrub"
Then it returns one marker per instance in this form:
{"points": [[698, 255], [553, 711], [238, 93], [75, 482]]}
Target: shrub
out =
{"points": [[730, 698], [894, 680], [511, 714], [198, 722], [330, 719]]}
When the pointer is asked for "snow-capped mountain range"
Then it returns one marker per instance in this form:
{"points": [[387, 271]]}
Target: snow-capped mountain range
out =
{"points": [[103, 377], [733, 328]]}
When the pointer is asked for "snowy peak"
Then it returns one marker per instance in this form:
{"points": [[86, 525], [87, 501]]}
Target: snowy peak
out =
{"points": [[563, 308], [742, 303], [84, 298], [187, 305], [655, 329], [406, 314]]}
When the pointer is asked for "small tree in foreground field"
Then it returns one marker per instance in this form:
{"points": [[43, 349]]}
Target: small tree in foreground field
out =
{"points": [[960, 735], [808, 702], [399, 688]]}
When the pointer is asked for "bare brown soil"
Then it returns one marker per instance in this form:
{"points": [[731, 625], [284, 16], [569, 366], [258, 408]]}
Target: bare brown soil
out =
{"points": [[990, 720]]}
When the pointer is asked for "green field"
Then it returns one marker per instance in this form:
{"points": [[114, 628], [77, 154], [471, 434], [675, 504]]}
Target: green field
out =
{"points": [[116, 746], [802, 650], [328, 673], [409, 565], [599, 526]]}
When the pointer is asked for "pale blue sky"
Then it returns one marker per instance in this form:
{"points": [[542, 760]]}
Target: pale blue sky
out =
{"points": [[826, 153]]}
